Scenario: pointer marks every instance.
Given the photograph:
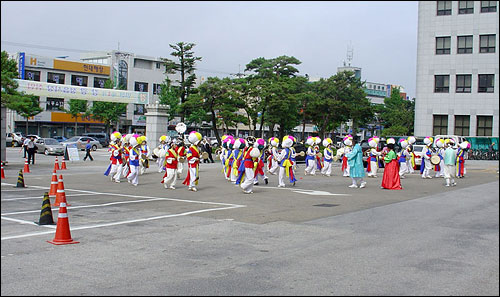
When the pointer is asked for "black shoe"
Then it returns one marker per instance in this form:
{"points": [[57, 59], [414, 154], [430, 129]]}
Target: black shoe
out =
{"points": [[266, 181], [294, 184]]}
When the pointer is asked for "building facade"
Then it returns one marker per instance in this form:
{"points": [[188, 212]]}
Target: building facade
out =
{"points": [[457, 68]]}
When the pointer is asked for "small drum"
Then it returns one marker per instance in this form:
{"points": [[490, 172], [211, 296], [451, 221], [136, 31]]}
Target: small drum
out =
{"points": [[156, 152], [204, 155], [435, 159]]}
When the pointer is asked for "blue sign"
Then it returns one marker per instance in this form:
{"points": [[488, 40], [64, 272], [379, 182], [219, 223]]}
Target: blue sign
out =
{"points": [[22, 58]]}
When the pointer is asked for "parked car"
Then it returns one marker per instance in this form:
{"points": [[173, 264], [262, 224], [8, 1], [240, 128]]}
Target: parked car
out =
{"points": [[60, 138], [14, 138], [33, 135], [103, 138], [81, 142], [49, 146], [418, 149]]}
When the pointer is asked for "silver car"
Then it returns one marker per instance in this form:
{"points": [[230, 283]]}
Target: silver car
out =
{"points": [[49, 146], [81, 142]]}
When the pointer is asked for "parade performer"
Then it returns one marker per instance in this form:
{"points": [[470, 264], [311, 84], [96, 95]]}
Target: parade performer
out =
{"points": [[260, 143], [230, 158], [126, 147], [163, 147], [145, 154], [319, 163], [450, 161], [439, 168], [135, 154], [461, 159], [181, 152], [239, 145], [273, 157], [294, 153], [328, 157], [411, 161], [310, 156], [373, 156], [404, 158], [391, 180], [285, 163], [426, 166], [355, 162], [116, 157], [250, 163], [348, 141], [223, 153], [171, 159], [193, 161]]}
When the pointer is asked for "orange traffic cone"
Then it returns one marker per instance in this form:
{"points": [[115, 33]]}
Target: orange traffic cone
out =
{"points": [[61, 195], [53, 185], [26, 166], [3, 172], [63, 234], [63, 164], [56, 165]]}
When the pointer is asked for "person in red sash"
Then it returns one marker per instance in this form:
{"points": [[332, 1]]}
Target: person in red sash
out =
{"points": [[461, 159], [181, 152], [250, 162], [391, 179], [116, 157], [259, 171], [347, 149], [193, 161], [171, 160]]}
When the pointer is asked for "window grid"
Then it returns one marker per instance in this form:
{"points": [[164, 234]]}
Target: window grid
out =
{"points": [[465, 7], [484, 126], [462, 125], [440, 125], [464, 83], [464, 44], [443, 45], [441, 84], [443, 7], [486, 83], [488, 6], [487, 43]]}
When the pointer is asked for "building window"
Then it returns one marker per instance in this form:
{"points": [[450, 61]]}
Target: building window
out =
{"points": [[465, 7], [99, 82], [55, 104], [464, 83], [487, 43], [32, 75], [464, 44], [462, 124], [156, 89], [440, 125], [443, 45], [158, 65], [486, 83], [122, 75], [488, 6], [78, 80], [484, 126], [441, 84], [55, 78], [443, 7], [139, 109], [141, 86]]}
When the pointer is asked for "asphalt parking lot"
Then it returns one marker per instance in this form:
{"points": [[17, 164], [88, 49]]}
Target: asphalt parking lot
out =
{"points": [[318, 237]]}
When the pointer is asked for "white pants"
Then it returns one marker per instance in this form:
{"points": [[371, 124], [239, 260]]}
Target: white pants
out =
{"points": [[171, 177], [410, 168], [125, 170], [160, 162], [427, 168], [281, 177], [274, 166], [440, 173], [346, 171], [449, 173], [356, 180], [403, 169], [142, 168], [247, 184], [234, 175], [134, 175], [327, 168], [192, 176], [311, 167], [116, 171], [180, 166], [373, 168]]}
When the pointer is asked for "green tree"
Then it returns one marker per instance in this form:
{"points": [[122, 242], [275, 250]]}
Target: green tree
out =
{"points": [[398, 112], [77, 108], [170, 95], [108, 112], [185, 66], [25, 105]]}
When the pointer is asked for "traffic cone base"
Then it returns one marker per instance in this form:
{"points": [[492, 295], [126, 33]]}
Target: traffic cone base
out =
{"points": [[63, 234], [20, 180], [46, 213], [3, 172]]}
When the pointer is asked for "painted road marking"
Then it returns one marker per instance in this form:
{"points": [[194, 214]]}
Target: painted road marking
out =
{"points": [[305, 191], [38, 197]]}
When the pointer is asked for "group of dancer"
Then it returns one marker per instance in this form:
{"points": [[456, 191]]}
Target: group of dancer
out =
{"points": [[243, 160]]}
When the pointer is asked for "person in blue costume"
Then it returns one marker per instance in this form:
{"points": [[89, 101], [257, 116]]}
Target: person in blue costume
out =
{"points": [[285, 163], [356, 169]]}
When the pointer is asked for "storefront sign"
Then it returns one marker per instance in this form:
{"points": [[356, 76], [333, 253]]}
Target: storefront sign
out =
{"points": [[22, 58], [72, 152], [83, 93], [42, 62], [81, 67]]}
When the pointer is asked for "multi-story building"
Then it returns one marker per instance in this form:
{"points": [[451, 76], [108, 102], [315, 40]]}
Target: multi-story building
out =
{"points": [[457, 68]]}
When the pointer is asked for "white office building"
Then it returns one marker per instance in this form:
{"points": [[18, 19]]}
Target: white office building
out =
{"points": [[457, 68]]}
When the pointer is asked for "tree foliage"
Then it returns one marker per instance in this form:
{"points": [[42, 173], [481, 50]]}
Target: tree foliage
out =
{"points": [[170, 95], [108, 112], [398, 112]]}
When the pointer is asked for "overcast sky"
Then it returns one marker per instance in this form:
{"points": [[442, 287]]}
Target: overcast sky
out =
{"points": [[228, 35]]}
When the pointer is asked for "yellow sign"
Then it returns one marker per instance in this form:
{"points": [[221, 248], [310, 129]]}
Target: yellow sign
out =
{"points": [[66, 117], [81, 67]]}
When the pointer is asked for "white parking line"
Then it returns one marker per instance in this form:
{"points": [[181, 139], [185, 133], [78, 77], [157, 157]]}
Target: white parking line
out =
{"points": [[304, 191], [38, 197]]}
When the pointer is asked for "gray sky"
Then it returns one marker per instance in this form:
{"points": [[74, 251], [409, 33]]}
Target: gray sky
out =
{"points": [[227, 34]]}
